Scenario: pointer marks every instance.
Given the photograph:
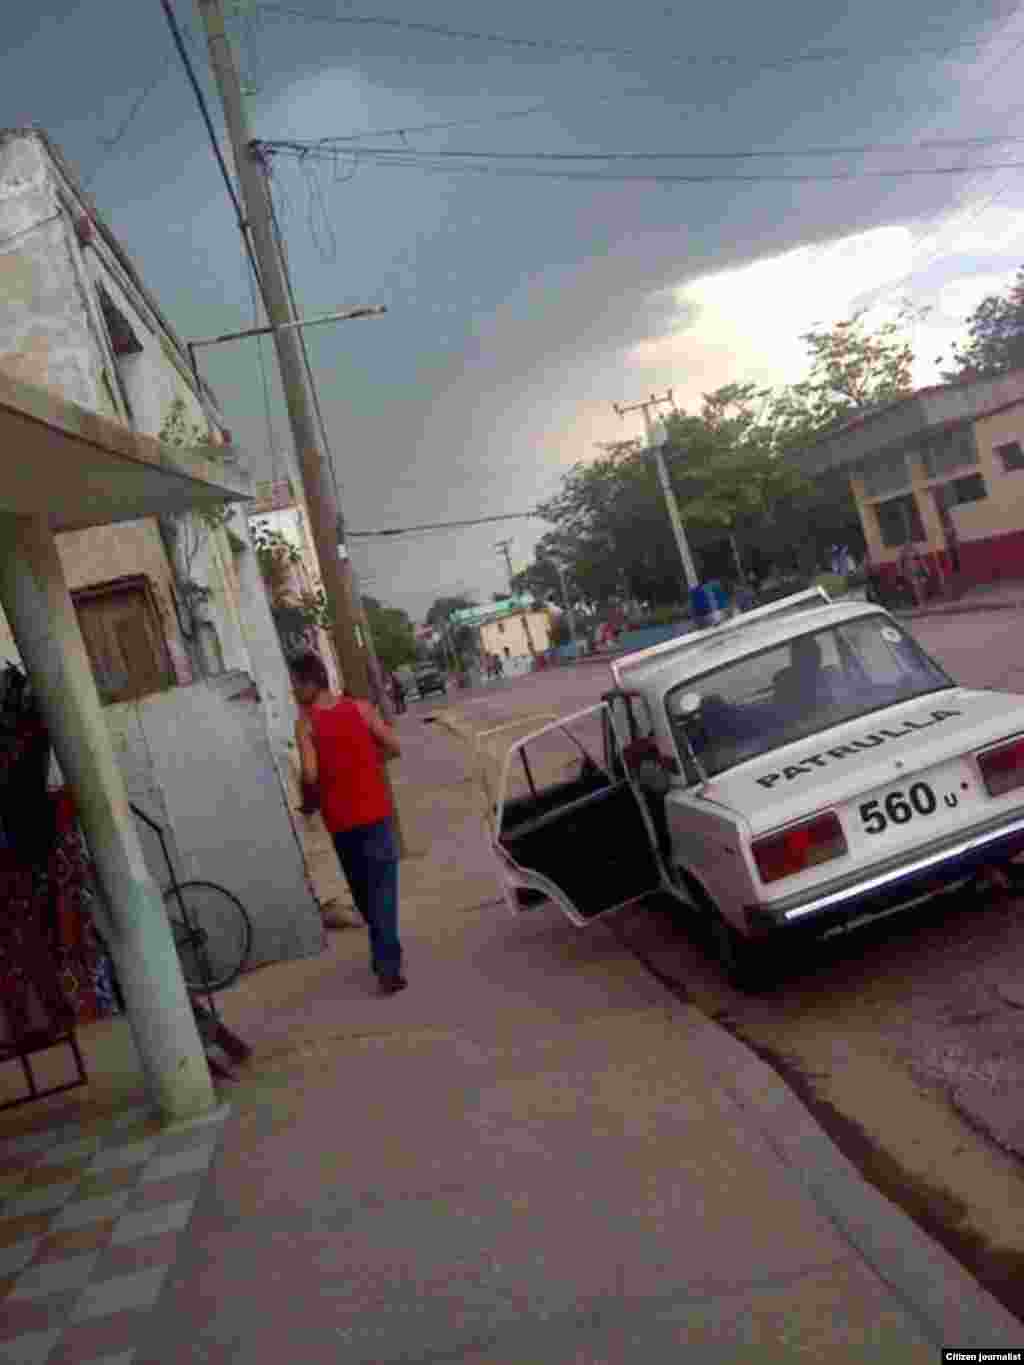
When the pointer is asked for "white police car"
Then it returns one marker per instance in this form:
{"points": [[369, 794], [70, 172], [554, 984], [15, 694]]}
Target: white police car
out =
{"points": [[801, 767]]}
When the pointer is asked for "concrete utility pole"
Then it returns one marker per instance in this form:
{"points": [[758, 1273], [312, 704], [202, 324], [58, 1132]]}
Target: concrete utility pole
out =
{"points": [[656, 445], [324, 513], [505, 547], [570, 615], [350, 629]]}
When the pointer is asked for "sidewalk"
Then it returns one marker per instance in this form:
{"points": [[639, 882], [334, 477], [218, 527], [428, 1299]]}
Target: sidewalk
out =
{"points": [[534, 1154], [1005, 596]]}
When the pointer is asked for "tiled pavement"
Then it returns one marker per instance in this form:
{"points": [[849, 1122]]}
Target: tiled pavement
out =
{"points": [[90, 1218]]}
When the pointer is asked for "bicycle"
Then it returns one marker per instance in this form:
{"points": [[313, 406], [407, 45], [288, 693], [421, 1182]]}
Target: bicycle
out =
{"points": [[211, 927]]}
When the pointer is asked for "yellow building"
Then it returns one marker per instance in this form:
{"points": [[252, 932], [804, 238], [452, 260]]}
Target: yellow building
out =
{"points": [[508, 637], [939, 474]]}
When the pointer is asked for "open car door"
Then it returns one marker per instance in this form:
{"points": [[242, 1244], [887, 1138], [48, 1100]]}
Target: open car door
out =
{"points": [[570, 826]]}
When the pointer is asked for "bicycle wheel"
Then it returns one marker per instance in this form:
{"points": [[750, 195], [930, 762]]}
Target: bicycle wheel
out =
{"points": [[212, 933]]}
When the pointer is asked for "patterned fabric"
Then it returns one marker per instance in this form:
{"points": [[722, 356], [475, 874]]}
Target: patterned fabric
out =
{"points": [[51, 904]]}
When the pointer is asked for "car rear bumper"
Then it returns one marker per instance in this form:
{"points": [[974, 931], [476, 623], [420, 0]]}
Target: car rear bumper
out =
{"points": [[928, 871]]}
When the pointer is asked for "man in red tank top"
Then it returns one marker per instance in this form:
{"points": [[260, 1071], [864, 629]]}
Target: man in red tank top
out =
{"points": [[343, 745]]}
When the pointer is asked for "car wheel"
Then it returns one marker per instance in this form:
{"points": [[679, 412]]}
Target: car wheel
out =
{"points": [[746, 963]]}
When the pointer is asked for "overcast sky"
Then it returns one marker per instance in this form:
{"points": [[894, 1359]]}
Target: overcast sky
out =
{"points": [[520, 309]]}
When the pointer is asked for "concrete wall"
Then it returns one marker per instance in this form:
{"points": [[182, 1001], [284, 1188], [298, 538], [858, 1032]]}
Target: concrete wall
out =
{"points": [[198, 760], [44, 309]]}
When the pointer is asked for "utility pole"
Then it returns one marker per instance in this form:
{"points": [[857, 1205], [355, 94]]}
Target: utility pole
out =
{"points": [[324, 513], [560, 570], [505, 547], [657, 449], [350, 631]]}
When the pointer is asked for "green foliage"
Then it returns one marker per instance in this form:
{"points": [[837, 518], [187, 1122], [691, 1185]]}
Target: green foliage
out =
{"points": [[463, 639], [177, 430], [444, 606], [852, 371], [275, 556], [745, 504], [995, 336], [394, 636], [835, 584]]}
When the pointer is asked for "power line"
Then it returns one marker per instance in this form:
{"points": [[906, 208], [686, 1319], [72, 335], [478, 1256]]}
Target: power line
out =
{"points": [[110, 144], [570, 46], [436, 162], [446, 525], [186, 62], [301, 148]]}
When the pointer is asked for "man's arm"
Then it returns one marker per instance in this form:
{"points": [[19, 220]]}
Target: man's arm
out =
{"points": [[387, 740], [307, 750]]}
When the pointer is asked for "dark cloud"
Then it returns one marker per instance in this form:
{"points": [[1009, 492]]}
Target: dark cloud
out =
{"points": [[511, 301]]}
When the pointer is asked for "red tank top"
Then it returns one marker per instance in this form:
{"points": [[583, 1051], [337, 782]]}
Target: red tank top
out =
{"points": [[353, 788]]}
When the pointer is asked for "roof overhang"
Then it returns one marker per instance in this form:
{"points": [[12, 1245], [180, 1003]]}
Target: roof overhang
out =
{"points": [[75, 469], [906, 421]]}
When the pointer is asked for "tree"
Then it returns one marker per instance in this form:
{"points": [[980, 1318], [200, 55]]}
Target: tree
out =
{"points": [[444, 606], [743, 498], [461, 638], [394, 635], [995, 336]]}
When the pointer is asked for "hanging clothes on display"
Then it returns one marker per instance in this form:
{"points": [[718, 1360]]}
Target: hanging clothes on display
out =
{"points": [[46, 884]]}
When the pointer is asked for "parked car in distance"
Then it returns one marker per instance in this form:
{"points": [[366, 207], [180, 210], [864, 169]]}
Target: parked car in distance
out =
{"points": [[796, 771], [429, 678]]}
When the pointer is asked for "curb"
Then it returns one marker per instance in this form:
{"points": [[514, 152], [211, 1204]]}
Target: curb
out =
{"points": [[955, 609], [944, 1300]]}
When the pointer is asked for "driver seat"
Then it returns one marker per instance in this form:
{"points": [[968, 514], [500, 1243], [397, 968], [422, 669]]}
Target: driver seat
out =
{"points": [[806, 681]]}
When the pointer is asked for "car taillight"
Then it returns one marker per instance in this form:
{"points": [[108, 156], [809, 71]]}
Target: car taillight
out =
{"points": [[798, 848], [1003, 768]]}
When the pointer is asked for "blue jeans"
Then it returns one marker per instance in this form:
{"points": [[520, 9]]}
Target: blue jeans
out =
{"points": [[369, 860]]}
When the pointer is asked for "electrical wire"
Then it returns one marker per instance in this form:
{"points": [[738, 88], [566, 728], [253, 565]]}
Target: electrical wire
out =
{"points": [[307, 364], [273, 453], [110, 144], [446, 525], [197, 90], [437, 162], [568, 46], [301, 148]]}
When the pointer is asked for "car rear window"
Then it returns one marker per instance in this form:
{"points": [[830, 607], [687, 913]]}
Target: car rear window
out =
{"points": [[800, 687]]}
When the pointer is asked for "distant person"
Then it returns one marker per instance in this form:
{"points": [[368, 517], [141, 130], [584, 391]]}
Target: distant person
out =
{"points": [[397, 694], [343, 746]]}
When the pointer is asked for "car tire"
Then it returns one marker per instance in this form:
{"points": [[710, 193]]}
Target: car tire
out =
{"points": [[746, 963]]}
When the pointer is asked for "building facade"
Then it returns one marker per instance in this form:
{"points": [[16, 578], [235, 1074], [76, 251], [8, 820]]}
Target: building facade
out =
{"points": [[940, 476], [172, 609], [158, 601], [276, 509]]}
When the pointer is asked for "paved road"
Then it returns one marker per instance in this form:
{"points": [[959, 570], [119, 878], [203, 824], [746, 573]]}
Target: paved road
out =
{"points": [[904, 1034]]}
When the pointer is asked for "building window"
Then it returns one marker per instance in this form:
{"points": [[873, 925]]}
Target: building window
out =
{"points": [[1011, 455], [899, 521], [501, 627], [948, 450], [123, 340], [970, 489], [124, 640], [885, 473]]}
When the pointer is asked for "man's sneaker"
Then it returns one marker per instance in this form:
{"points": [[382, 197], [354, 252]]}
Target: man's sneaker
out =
{"points": [[392, 983]]}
